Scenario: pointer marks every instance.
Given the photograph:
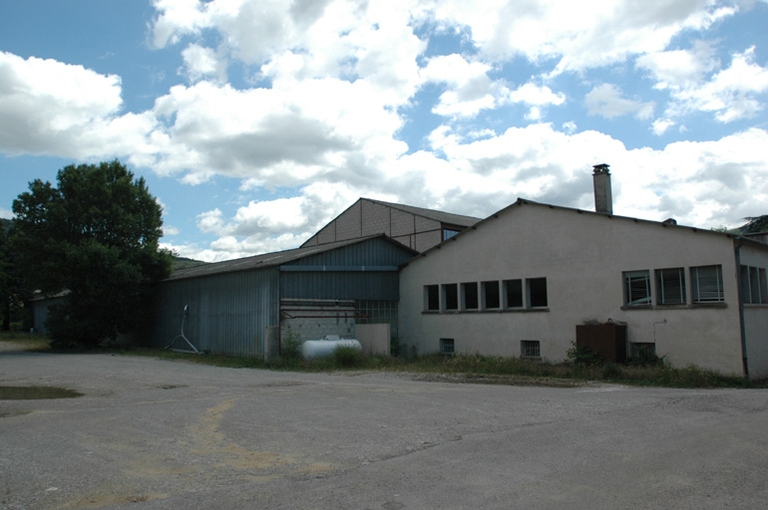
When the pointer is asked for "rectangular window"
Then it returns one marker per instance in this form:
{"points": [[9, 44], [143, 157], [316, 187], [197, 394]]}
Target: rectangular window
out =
{"points": [[450, 296], [446, 346], [491, 295], [637, 288], [754, 287], [707, 284], [670, 286], [432, 298], [469, 296], [513, 293], [530, 349], [537, 292]]}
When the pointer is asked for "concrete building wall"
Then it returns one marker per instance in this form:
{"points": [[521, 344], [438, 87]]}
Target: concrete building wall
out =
{"points": [[756, 314], [582, 256]]}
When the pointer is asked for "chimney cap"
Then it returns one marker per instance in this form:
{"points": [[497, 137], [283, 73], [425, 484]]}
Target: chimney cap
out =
{"points": [[601, 168]]}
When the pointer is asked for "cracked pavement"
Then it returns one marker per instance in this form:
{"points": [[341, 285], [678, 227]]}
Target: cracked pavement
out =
{"points": [[152, 434]]}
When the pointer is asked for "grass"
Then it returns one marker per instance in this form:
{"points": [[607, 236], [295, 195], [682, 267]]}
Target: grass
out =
{"points": [[483, 369], [459, 368], [25, 341]]}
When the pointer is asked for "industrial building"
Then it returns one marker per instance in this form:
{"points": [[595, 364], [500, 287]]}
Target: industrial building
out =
{"points": [[526, 281]]}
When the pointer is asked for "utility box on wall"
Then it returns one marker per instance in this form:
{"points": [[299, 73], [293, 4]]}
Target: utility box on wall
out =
{"points": [[608, 340]]}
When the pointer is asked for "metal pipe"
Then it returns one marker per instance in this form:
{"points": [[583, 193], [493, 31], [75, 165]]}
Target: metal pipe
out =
{"points": [[740, 291]]}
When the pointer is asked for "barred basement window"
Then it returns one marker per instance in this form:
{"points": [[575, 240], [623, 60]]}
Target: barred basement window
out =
{"points": [[707, 284], [432, 298], [670, 286], [530, 349], [637, 288], [446, 346]]}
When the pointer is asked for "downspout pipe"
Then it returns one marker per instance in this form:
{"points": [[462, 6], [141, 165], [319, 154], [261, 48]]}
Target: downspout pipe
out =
{"points": [[738, 241]]}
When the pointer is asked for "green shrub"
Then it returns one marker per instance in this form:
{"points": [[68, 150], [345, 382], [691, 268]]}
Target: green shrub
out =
{"points": [[583, 355], [347, 356], [291, 345]]}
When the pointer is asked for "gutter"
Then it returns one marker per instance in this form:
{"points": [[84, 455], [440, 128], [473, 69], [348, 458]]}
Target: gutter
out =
{"points": [[742, 324]]}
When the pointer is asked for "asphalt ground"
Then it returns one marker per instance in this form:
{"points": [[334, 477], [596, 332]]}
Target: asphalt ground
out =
{"points": [[152, 434]]}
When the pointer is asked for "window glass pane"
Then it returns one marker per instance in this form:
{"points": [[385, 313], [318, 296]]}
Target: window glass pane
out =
{"points": [[763, 287], [433, 297], [448, 233], [670, 286], [707, 284], [754, 285], [637, 288], [537, 292], [746, 295], [469, 291], [451, 296], [514, 293], [491, 297]]}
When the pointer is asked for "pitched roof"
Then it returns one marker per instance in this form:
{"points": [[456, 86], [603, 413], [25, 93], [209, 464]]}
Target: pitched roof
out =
{"points": [[266, 260], [443, 217]]}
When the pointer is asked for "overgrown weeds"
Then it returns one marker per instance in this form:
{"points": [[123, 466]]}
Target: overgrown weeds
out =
{"points": [[460, 368]]}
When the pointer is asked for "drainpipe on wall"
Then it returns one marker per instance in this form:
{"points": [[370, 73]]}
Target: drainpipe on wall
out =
{"points": [[739, 285]]}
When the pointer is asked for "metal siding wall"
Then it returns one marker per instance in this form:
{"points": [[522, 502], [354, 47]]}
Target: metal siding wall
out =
{"points": [[358, 285], [227, 313]]}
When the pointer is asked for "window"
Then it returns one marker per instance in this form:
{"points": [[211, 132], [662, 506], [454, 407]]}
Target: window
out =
{"points": [[707, 284], [637, 288], [451, 296], [670, 286], [530, 349], [448, 233], [754, 287], [432, 298], [537, 292], [469, 296], [642, 351], [513, 292], [446, 346], [491, 295]]}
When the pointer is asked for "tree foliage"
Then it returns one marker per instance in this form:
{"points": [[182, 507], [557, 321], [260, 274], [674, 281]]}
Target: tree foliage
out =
{"points": [[755, 224], [95, 235]]}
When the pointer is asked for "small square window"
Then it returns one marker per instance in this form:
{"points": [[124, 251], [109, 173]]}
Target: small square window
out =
{"points": [[446, 346], [670, 286], [469, 296], [491, 296], [637, 288], [530, 349], [513, 293], [432, 298], [537, 292], [450, 296]]}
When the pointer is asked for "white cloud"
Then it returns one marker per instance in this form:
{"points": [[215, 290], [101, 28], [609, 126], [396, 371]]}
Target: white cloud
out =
{"points": [[47, 107], [469, 89], [6, 213], [201, 62], [606, 100]]}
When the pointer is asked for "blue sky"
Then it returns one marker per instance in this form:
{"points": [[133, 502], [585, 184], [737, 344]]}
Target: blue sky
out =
{"points": [[255, 122]]}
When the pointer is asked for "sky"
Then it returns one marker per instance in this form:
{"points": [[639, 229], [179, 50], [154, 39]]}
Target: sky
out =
{"points": [[256, 122]]}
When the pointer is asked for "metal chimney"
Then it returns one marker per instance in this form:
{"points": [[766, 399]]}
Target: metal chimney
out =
{"points": [[601, 178]]}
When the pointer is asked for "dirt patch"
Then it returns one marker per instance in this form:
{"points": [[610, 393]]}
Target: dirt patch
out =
{"points": [[36, 393]]}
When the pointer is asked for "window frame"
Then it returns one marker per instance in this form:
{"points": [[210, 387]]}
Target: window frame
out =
{"points": [[627, 284], [428, 298], [530, 349], [485, 286], [666, 283], [506, 285], [449, 294], [529, 292], [707, 295], [470, 296]]}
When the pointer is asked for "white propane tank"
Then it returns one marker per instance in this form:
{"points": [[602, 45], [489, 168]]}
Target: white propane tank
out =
{"points": [[325, 347]]}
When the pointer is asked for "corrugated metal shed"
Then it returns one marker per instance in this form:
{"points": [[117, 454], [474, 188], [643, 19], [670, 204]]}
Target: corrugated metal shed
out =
{"points": [[232, 303]]}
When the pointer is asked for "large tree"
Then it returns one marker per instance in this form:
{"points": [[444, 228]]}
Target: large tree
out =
{"points": [[96, 236]]}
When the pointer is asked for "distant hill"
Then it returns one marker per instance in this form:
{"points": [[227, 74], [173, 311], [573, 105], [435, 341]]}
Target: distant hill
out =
{"points": [[5, 225], [183, 263]]}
